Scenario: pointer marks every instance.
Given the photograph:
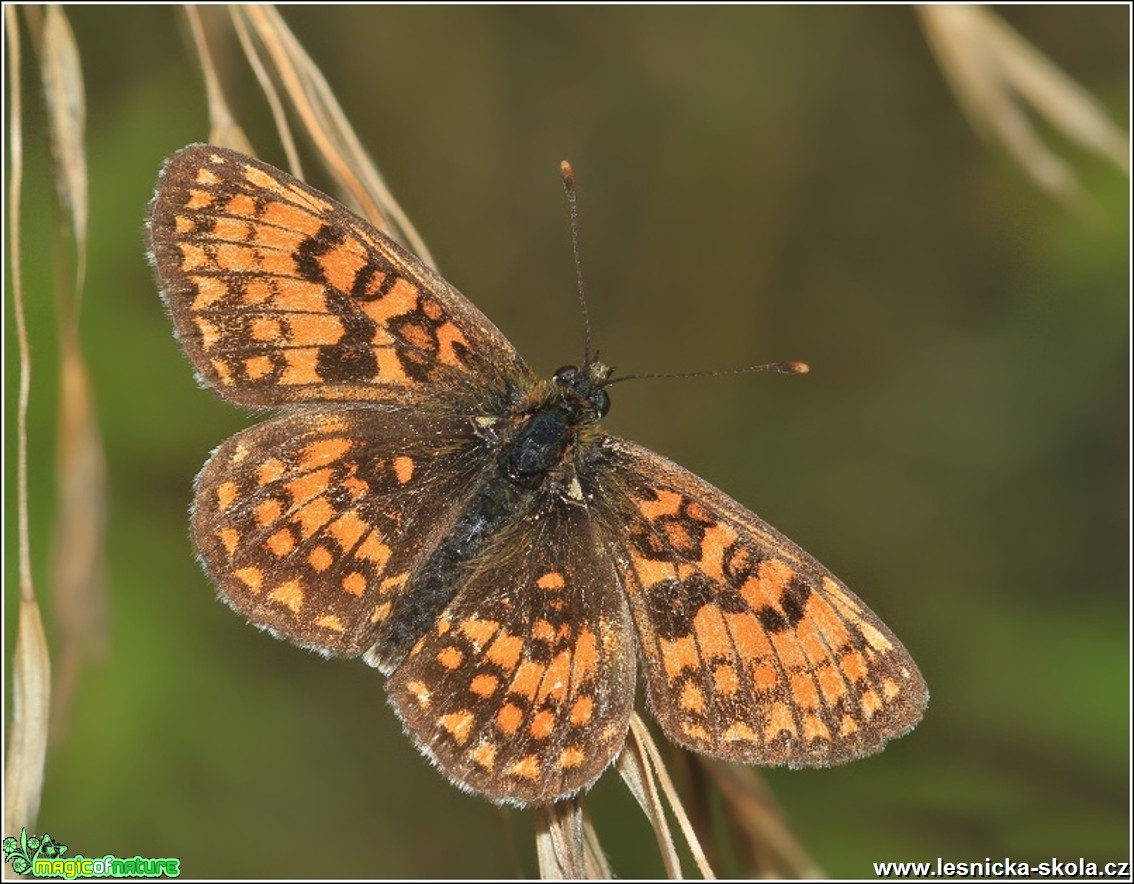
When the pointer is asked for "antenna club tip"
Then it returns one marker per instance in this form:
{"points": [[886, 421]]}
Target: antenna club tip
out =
{"points": [[796, 368], [567, 173]]}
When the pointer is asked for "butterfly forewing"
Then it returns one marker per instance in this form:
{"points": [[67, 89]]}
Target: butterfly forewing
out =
{"points": [[755, 652], [279, 294]]}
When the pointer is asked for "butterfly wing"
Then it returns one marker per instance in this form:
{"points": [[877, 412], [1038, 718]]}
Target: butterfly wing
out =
{"points": [[281, 295], [522, 690], [752, 650], [310, 523]]}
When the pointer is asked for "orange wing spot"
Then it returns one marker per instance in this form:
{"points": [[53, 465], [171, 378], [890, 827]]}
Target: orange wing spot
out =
{"points": [[543, 725], [712, 634], [803, 692], [354, 583], [253, 578], [299, 296], [302, 367], [552, 581], [853, 665], [505, 651], [779, 721], [748, 636], [229, 538], [826, 620], [479, 631], [270, 471], [281, 543], [875, 638], [448, 336], [431, 309], [381, 612], [814, 729], [582, 710], [242, 206], [586, 656], [268, 237], [766, 588], [355, 487], [717, 539], [830, 683], [417, 336], [316, 330], [227, 493], [890, 688], [267, 512], [651, 572], [341, 264], [679, 654], [765, 677], [692, 700], [206, 176], [398, 301], [870, 703], [390, 369], [331, 622], [739, 732], [309, 485], [207, 331], [484, 685], [555, 679], [199, 199], [289, 594], [403, 468], [223, 374], [420, 692], [788, 650], [458, 724], [725, 679], [313, 515], [847, 726], [527, 680], [236, 258], [258, 290], [209, 290], [291, 218], [484, 755], [570, 757], [397, 582], [526, 768], [811, 641], [450, 657], [257, 367], [698, 513], [372, 549], [347, 530], [509, 718], [667, 504], [543, 631], [695, 732], [235, 229], [678, 537], [320, 558]]}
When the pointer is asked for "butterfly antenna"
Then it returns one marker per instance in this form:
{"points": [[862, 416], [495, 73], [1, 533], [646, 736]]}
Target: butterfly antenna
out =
{"points": [[567, 173], [778, 367]]}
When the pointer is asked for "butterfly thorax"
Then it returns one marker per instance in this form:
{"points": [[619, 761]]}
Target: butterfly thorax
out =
{"points": [[553, 417]]}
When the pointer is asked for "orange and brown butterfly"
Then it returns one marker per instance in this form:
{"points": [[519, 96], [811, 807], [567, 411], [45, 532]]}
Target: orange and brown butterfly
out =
{"points": [[422, 500]]}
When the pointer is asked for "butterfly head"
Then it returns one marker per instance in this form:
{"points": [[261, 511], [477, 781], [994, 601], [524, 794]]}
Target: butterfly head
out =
{"points": [[585, 386]]}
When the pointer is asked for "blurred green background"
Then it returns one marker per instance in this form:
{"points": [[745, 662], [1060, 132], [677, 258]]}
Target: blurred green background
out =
{"points": [[755, 184]]}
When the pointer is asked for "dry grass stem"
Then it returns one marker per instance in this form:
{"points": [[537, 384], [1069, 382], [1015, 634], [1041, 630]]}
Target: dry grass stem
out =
{"points": [[223, 128], [566, 843], [994, 73], [31, 666]]}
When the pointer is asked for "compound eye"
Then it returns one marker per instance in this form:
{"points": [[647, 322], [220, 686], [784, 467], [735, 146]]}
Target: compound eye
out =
{"points": [[566, 374], [600, 402]]}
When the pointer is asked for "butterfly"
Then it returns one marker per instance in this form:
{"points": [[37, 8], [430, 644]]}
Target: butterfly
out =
{"points": [[422, 500]]}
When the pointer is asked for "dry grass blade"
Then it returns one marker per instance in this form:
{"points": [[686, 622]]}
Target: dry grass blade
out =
{"points": [[644, 773], [993, 70], [566, 843], [223, 128], [67, 113], [327, 127], [78, 585], [31, 666], [772, 851]]}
